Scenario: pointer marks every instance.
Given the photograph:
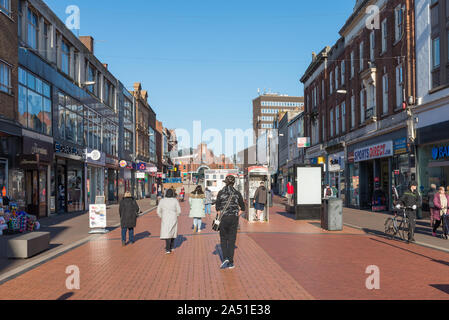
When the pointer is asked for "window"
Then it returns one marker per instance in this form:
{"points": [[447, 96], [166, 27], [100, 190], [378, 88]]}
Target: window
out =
{"points": [[5, 6], [72, 126], [343, 72], [46, 44], [343, 117], [93, 129], [323, 127], [32, 33], [384, 31], [398, 14], [399, 87], [337, 120], [372, 43], [110, 134], [352, 112], [331, 82], [385, 94], [5, 77], [332, 122], [361, 56], [362, 106], [91, 77], [108, 94], [352, 64], [336, 78], [322, 90], [436, 52], [35, 110], [65, 57]]}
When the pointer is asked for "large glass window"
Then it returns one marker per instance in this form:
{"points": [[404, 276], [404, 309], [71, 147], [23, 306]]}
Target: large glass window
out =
{"points": [[91, 78], [153, 156], [5, 6], [436, 52], [93, 130], [110, 133], [71, 119], [34, 103]]}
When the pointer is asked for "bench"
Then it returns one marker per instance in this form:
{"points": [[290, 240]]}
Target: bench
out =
{"points": [[28, 245]]}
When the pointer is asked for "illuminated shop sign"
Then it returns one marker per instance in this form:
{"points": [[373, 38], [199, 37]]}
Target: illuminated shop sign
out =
{"points": [[440, 153]]}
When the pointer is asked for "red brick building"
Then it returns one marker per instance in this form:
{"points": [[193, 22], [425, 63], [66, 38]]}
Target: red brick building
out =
{"points": [[10, 130], [354, 96]]}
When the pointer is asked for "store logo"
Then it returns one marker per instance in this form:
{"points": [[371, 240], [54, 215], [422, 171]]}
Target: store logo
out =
{"points": [[440, 153]]}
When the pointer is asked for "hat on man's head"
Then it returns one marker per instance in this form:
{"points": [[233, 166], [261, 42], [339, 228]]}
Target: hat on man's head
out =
{"points": [[413, 184], [230, 180]]}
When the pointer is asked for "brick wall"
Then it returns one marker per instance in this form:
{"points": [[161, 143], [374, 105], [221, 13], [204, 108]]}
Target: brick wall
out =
{"points": [[9, 54]]}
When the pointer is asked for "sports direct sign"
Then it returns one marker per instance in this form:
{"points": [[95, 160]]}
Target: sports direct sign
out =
{"points": [[381, 150]]}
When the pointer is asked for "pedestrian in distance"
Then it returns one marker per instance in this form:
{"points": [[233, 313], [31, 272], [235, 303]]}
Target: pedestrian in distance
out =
{"points": [[208, 202], [260, 200], [430, 198], [169, 211], [410, 200], [290, 192], [128, 210], [197, 201], [440, 212], [229, 204]]}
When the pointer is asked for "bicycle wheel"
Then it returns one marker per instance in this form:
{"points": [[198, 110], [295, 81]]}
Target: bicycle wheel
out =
{"points": [[389, 228], [403, 229]]}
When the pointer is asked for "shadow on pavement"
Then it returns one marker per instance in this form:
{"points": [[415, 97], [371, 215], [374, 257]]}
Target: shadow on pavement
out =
{"points": [[179, 241], [218, 252], [142, 235], [446, 263], [442, 287], [286, 214], [66, 296]]}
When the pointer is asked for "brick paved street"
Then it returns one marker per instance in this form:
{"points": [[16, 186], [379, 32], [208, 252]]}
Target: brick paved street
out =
{"points": [[285, 259]]}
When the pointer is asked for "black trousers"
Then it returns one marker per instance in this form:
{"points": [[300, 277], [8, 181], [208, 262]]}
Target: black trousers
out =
{"points": [[228, 235], [169, 244], [411, 215]]}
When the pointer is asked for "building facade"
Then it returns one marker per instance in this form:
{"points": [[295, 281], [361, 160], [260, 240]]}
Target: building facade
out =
{"points": [[266, 107], [356, 94]]}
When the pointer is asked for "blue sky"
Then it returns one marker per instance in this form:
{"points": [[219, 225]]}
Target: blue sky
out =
{"points": [[205, 59]]}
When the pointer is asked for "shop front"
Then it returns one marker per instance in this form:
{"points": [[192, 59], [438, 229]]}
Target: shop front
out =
{"points": [[111, 182], [67, 179], [376, 169], [95, 178], [433, 165], [126, 178], [35, 162], [141, 180]]}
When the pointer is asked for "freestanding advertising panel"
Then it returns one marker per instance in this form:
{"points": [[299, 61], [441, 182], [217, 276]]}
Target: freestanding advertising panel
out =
{"points": [[308, 191], [253, 179]]}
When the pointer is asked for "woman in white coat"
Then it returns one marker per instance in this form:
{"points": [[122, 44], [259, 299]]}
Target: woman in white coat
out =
{"points": [[197, 201], [169, 211]]}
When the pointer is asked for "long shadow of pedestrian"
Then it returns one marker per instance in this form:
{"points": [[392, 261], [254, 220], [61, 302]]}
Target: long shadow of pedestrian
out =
{"points": [[179, 241], [66, 296], [217, 252], [142, 235], [441, 287]]}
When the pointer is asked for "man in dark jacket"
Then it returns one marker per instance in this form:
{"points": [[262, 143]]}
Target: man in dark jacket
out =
{"points": [[410, 200], [129, 210], [260, 200], [229, 204]]}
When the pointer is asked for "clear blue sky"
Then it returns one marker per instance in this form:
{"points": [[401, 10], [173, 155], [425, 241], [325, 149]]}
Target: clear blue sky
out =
{"points": [[205, 59]]}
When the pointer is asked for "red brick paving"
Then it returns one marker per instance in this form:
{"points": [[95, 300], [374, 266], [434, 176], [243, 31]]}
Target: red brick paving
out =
{"points": [[285, 259]]}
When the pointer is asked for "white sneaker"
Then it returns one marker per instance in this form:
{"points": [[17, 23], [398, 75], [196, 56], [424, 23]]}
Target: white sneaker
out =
{"points": [[199, 230]]}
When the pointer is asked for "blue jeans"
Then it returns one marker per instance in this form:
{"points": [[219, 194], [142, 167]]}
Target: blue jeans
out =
{"points": [[131, 234], [208, 208], [197, 222]]}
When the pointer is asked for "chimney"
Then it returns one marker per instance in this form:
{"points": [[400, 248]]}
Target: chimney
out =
{"points": [[88, 41], [105, 65]]}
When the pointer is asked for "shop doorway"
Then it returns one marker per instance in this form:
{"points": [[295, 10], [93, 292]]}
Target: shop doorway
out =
{"points": [[36, 190], [61, 189], [366, 184]]}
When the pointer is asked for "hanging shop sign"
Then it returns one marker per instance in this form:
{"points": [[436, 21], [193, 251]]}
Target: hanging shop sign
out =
{"points": [[95, 157], [303, 142], [140, 175], [336, 162], [123, 164], [440, 153], [141, 166], [400, 146], [381, 150]]}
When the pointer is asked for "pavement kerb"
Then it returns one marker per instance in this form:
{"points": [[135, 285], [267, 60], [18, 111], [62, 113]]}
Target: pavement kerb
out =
{"points": [[56, 253], [422, 244]]}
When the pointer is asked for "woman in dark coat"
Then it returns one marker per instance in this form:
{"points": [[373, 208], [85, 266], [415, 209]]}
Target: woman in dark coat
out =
{"points": [[129, 210]]}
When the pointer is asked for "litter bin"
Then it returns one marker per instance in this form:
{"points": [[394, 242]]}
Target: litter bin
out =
{"points": [[332, 214]]}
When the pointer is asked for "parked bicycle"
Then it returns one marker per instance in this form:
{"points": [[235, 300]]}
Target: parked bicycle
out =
{"points": [[399, 224]]}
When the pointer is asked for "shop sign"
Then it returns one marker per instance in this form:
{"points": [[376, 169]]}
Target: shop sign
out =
{"points": [[440, 153], [303, 142], [351, 157], [123, 164], [112, 161], [59, 148], [400, 146], [151, 169], [336, 162], [140, 175], [381, 150], [37, 147], [97, 216], [95, 157], [142, 166]]}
